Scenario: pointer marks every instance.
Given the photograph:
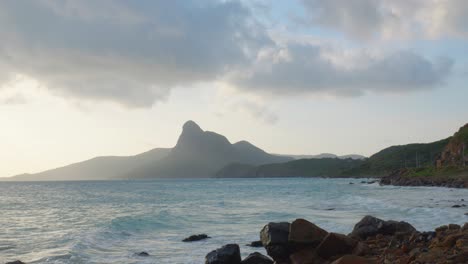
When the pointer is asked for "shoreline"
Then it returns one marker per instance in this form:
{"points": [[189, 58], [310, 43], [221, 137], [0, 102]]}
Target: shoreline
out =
{"points": [[372, 240]]}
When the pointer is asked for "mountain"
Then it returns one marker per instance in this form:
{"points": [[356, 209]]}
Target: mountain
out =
{"points": [[99, 168], [321, 167], [201, 153], [197, 153], [327, 155]]}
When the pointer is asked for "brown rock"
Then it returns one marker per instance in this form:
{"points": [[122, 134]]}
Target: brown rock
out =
{"points": [[453, 227], [305, 256], [450, 240], [336, 245], [305, 232], [351, 259], [441, 228]]}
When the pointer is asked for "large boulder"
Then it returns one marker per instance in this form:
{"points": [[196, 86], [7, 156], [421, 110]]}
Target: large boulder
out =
{"points": [[371, 226], [274, 237], [228, 254], [336, 245], [304, 232], [257, 258]]}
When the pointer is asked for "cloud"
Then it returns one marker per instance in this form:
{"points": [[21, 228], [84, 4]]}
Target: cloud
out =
{"points": [[130, 52], [300, 69], [135, 52], [387, 19]]}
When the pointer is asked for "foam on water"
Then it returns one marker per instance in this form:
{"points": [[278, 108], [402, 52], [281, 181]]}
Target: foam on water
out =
{"points": [[110, 221]]}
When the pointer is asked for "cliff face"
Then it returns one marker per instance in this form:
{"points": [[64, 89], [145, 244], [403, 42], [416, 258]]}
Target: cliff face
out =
{"points": [[455, 154]]}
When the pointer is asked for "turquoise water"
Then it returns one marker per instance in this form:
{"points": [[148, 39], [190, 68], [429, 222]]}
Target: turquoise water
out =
{"points": [[109, 221]]}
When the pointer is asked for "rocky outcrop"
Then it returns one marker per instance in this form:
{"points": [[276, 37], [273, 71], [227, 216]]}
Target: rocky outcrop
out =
{"points": [[228, 254], [371, 226], [193, 238], [373, 240], [455, 154], [402, 177]]}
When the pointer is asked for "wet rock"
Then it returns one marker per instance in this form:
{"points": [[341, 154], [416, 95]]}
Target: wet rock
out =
{"points": [[255, 244], [228, 254], [257, 258], [351, 183], [336, 245], [304, 232], [143, 254], [456, 206], [351, 259], [16, 262], [274, 237], [371, 226], [193, 238]]}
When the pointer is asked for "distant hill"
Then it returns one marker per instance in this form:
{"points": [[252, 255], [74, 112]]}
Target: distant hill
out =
{"points": [[99, 168], [326, 155], [201, 153], [197, 153], [397, 157], [321, 167]]}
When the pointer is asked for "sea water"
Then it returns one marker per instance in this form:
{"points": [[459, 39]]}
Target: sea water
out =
{"points": [[110, 221]]}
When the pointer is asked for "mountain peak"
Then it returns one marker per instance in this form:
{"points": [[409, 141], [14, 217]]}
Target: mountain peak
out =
{"points": [[191, 126]]}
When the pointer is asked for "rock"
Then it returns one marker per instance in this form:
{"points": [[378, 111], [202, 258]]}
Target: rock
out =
{"points": [[255, 244], [195, 238], [16, 262], [257, 258], [304, 232], [371, 226], [371, 182], [351, 259], [305, 256], [454, 227], [336, 245], [351, 183], [143, 254], [274, 237], [275, 234], [228, 254], [456, 206]]}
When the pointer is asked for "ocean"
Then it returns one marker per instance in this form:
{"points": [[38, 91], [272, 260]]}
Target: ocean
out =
{"points": [[110, 221]]}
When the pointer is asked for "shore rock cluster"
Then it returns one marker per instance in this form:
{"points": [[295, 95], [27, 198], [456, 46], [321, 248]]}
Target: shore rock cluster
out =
{"points": [[372, 240], [399, 178]]}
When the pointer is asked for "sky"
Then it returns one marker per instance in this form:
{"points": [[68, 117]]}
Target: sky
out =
{"points": [[85, 78]]}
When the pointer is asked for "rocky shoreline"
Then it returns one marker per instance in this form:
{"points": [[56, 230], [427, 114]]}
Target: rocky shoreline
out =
{"points": [[400, 178], [372, 240]]}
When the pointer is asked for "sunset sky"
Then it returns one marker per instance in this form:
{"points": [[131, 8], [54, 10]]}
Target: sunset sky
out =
{"points": [[86, 78]]}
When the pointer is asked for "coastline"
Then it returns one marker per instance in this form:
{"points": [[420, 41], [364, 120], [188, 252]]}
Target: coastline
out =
{"points": [[405, 177], [372, 240]]}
